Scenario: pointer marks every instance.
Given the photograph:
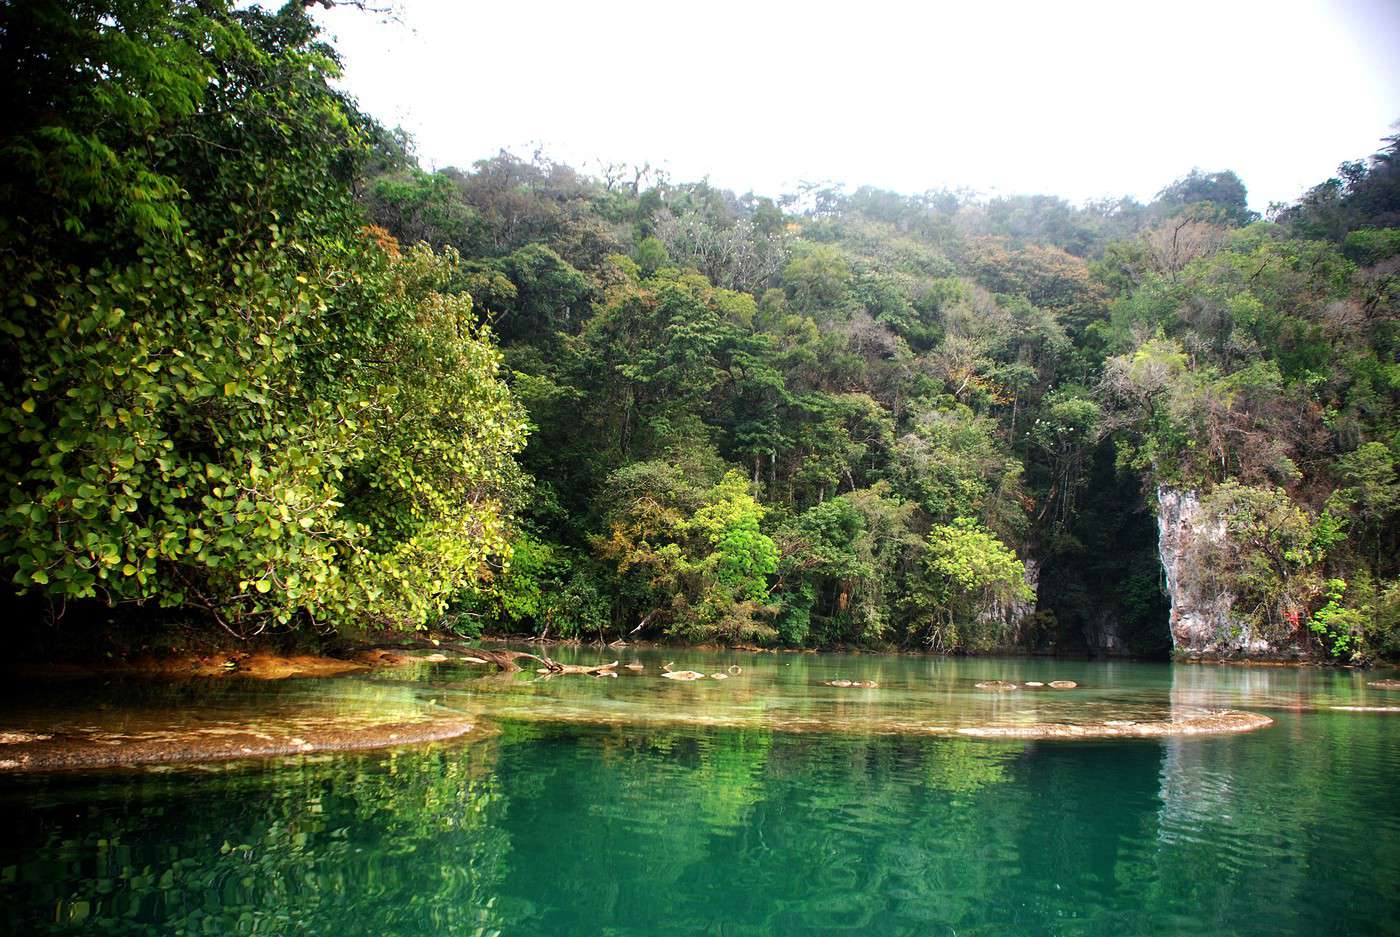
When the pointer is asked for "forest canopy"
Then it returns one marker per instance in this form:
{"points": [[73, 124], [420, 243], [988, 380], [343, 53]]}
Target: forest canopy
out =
{"points": [[265, 369]]}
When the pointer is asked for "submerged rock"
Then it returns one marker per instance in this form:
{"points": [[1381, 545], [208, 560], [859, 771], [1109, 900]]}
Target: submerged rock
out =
{"points": [[19, 738], [177, 739], [379, 657], [1225, 721], [683, 675], [635, 665], [1385, 684], [1063, 684], [259, 665], [996, 685]]}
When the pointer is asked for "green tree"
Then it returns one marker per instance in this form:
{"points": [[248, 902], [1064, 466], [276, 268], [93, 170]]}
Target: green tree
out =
{"points": [[1222, 193], [689, 558], [224, 395], [817, 277], [842, 566], [1269, 558], [968, 571], [419, 206]]}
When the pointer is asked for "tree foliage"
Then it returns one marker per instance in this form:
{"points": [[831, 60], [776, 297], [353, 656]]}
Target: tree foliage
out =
{"points": [[263, 365], [223, 391]]}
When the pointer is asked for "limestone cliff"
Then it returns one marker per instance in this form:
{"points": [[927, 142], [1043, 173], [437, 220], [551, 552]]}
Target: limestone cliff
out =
{"points": [[1201, 621], [1009, 616]]}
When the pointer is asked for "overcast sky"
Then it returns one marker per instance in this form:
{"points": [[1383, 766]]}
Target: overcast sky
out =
{"points": [[1082, 100]]}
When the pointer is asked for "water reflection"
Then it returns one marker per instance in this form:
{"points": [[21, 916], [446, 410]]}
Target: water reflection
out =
{"points": [[652, 825], [405, 843], [794, 693]]}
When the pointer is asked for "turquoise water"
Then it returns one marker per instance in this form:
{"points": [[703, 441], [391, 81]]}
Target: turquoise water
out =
{"points": [[764, 804]]}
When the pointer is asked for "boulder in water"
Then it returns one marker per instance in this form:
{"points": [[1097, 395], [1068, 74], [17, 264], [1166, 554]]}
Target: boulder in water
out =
{"points": [[19, 738], [683, 675], [997, 685], [1063, 684]]}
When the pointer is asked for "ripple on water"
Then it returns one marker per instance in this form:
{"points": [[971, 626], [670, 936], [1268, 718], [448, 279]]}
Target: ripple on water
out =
{"points": [[642, 827], [777, 699], [134, 723], [783, 693]]}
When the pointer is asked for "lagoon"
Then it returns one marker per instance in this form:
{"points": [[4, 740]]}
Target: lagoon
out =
{"points": [[765, 803]]}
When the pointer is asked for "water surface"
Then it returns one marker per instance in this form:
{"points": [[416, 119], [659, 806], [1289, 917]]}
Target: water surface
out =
{"points": [[764, 804]]}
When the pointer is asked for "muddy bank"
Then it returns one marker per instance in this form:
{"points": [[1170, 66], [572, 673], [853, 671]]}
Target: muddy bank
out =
{"points": [[177, 742], [256, 665]]}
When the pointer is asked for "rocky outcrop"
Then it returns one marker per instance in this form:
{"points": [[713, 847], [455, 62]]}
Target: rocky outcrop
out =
{"points": [[1221, 722], [1201, 621], [1103, 635], [1009, 615]]}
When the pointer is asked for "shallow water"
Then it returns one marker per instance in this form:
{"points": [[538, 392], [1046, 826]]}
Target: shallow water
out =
{"points": [[766, 803]]}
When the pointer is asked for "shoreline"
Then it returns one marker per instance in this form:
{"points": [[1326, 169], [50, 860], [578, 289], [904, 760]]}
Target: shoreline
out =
{"points": [[999, 654], [252, 665], [135, 737], [271, 665]]}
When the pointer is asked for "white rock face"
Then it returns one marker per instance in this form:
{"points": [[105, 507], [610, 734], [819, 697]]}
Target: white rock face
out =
{"points": [[1201, 621], [1009, 614]]}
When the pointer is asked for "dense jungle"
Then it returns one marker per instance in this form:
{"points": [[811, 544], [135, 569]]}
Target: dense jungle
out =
{"points": [[265, 374]]}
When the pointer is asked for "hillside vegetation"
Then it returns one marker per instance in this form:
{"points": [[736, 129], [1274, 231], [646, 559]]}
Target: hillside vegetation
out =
{"points": [[264, 369]]}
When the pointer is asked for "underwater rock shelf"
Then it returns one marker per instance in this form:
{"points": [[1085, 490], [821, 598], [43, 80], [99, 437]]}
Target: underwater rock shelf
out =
{"points": [[1219, 722], [24, 751], [1225, 722]]}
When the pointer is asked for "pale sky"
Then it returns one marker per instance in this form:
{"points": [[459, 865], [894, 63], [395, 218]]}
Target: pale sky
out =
{"points": [[1080, 100]]}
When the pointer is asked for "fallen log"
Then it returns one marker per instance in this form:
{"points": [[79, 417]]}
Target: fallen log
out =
{"points": [[504, 659], [601, 670]]}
